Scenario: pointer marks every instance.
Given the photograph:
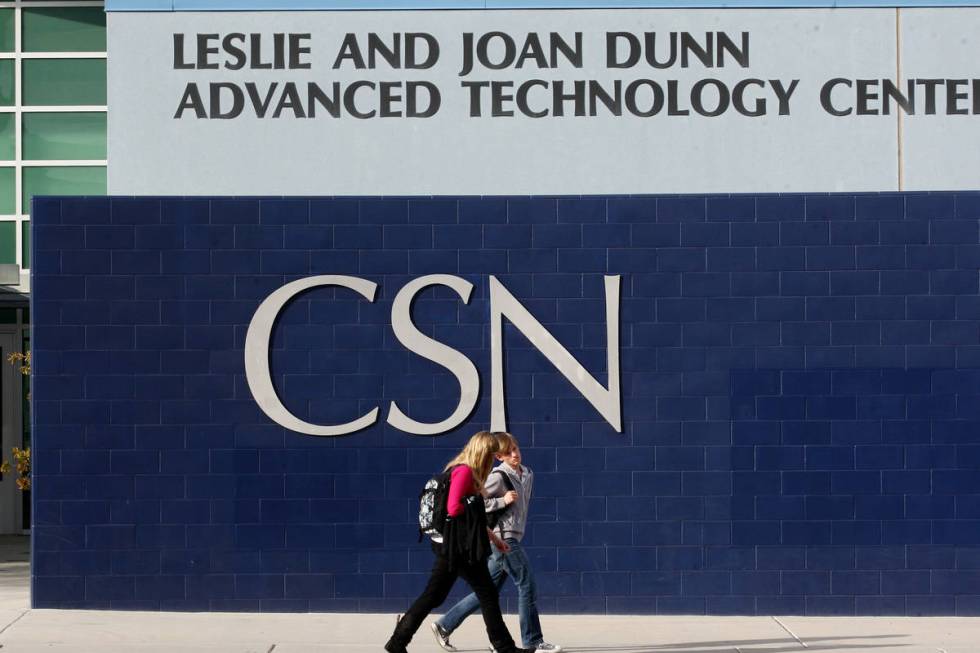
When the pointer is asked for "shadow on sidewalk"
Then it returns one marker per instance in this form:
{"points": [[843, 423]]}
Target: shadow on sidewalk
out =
{"points": [[789, 645], [15, 548]]}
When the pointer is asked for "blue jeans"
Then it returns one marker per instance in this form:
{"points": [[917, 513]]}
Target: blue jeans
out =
{"points": [[516, 565]]}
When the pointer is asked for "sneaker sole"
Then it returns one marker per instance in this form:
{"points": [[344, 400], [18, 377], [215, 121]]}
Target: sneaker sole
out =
{"points": [[435, 633]]}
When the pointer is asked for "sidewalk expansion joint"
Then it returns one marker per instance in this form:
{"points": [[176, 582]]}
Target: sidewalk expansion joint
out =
{"points": [[784, 627], [4, 629]]}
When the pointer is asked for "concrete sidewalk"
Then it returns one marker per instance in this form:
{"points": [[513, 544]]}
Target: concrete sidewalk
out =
{"points": [[82, 631]]}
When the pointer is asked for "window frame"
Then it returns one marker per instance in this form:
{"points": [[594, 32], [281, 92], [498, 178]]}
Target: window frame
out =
{"points": [[20, 216]]}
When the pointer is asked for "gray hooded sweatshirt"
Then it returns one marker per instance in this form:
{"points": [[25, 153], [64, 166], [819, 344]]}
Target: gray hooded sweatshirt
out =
{"points": [[514, 521]]}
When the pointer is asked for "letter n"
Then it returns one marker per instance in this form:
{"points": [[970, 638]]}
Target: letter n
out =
{"points": [[605, 400]]}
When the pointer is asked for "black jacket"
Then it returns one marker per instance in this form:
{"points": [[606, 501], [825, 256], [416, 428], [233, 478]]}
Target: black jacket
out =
{"points": [[465, 539]]}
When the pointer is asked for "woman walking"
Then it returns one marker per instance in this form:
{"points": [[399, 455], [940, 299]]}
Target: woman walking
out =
{"points": [[463, 550]]}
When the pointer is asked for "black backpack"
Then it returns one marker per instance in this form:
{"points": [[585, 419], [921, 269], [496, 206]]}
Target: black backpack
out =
{"points": [[432, 504], [493, 518]]}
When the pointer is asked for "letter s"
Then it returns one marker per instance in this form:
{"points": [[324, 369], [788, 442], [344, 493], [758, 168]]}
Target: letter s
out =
{"points": [[257, 354], [413, 339]]}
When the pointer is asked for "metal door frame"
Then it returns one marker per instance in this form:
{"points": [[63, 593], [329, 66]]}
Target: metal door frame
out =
{"points": [[11, 431]]}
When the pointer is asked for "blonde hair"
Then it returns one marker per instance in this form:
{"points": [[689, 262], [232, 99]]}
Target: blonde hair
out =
{"points": [[478, 454], [506, 442]]}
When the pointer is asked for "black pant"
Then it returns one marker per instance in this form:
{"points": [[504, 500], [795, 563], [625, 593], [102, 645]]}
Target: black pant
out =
{"points": [[441, 580]]}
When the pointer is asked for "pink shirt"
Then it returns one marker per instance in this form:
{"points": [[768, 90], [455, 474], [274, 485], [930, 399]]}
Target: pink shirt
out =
{"points": [[460, 486]]}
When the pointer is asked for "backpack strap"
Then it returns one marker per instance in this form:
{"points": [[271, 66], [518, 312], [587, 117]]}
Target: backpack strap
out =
{"points": [[493, 518], [505, 477]]}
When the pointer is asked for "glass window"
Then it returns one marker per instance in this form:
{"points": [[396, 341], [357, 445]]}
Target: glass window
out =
{"points": [[6, 82], [25, 244], [6, 30], [63, 29], [64, 82], [6, 136], [7, 192], [60, 47], [76, 135], [83, 180], [8, 243]]}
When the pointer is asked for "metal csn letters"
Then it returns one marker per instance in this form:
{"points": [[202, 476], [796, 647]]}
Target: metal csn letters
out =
{"points": [[605, 399]]}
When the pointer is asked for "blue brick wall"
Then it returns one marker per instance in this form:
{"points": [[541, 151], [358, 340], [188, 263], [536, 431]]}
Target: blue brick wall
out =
{"points": [[801, 397]]}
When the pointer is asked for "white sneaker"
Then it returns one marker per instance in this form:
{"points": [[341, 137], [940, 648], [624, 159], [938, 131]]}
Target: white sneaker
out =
{"points": [[545, 646], [442, 637]]}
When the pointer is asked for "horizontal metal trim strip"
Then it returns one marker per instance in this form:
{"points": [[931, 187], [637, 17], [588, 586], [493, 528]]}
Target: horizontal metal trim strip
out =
{"points": [[376, 5]]}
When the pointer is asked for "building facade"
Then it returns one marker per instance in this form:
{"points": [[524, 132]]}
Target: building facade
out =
{"points": [[52, 141], [720, 285]]}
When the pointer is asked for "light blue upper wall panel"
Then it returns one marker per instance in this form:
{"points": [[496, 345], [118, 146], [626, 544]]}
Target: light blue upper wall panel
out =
{"points": [[336, 5], [302, 5], [140, 5]]}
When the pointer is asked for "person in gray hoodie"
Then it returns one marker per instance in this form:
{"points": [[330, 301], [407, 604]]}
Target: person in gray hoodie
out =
{"points": [[507, 492]]}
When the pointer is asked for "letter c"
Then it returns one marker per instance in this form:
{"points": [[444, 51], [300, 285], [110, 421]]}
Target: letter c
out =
{"points": [[257, 354], [827, 102]]}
